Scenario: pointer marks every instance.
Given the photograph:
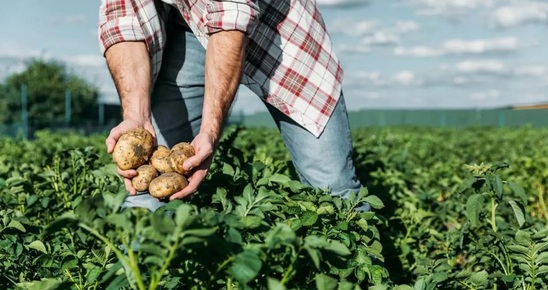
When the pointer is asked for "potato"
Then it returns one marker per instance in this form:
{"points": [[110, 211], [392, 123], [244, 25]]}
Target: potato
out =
{"points": [[185, 147], [167, 184], [133, 149], [177, 159], [180, 152], [145, 174], [160, 159]]}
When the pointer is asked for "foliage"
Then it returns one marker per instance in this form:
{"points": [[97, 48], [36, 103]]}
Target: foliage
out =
{"points": [[451, 210], [47, 82]]}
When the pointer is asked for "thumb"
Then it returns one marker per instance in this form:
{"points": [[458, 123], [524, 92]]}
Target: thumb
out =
{"points": [[193, 162], [150, 128], [112, 138]]}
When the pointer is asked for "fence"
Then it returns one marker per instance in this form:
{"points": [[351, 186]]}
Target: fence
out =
{"points": [[424, 118], [368, 118]]}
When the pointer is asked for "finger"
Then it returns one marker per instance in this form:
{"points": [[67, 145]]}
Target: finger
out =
{"points": [[126, 173], [129, 186], [113, 136], [192, 186], [194, 161], [150, 128]]}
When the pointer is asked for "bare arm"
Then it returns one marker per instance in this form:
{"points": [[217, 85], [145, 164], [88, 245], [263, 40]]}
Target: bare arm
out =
{"points": [[129, 65], [225, 57]]}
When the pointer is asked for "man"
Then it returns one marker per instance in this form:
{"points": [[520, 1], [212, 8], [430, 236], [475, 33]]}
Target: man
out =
{"points": [[177, 65]]}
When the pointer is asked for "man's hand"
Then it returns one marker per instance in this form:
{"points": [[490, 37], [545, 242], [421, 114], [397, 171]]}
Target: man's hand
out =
{"points": [[129, 65], [204, 145], [113, 137], [225, 57]]}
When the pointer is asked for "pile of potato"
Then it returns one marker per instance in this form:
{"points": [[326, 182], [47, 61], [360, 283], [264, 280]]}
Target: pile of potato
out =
{"points": [[160, 169]]}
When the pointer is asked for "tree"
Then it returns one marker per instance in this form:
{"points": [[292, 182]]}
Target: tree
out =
{"points": [[46, 84]]}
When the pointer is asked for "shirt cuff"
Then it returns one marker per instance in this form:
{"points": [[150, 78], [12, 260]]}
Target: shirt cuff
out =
{"points": [[119, 30], [231, 15]]}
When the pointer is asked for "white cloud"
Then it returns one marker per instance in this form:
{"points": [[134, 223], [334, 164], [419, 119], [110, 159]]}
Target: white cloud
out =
{"points": [[406, 26], [532, 71], [76, 19], [342, 3], [460, 47], [450, 8], [481, 66], [416, 51], [374, 78], [382, 38], [406, 78], [89, 60], [520, 13], [489, 95]]}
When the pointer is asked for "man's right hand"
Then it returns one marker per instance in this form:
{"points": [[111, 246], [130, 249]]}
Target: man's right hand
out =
{"points": [[113, 137]]}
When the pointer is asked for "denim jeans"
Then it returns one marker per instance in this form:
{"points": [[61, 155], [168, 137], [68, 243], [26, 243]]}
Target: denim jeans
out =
{"points": [[176, 104]]}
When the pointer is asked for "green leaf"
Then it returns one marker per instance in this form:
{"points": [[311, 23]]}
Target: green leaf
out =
{"points": [[251, 221], [518, 212], [519, 191], [16, 225], [274, 284], [45, 284], [246, 266], [465, 185], [183, 215], [479, 278], [59, 224], [314, 255], [523, 237], [93, 274], [338, 248], [374, 201], [474, 206], [497, 187], [309, 218], [39, 246], [324, 282], [279, 178], [201, 232]]}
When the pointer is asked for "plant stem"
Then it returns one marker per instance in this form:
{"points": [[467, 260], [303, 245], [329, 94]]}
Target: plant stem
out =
{"points": [[119, 254], [493, 215], [224, 264], [228, 283], [135, 267], [156, 278], [290, 270]]}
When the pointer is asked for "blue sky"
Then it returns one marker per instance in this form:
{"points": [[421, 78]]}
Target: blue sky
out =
{"points": [[396, 53]]}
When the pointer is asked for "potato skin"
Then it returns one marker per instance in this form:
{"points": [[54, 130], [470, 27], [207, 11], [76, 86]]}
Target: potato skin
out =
{"points": [[160, 159], [145, 174], [167, 184], [186, 147], [133, 149], [177, 159]]}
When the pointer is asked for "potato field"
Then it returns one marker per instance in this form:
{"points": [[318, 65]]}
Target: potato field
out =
{"points": [[451, 209]]}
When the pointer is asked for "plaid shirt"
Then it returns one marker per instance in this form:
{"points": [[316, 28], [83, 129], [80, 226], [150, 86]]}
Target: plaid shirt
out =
{"points": [[290, 61]]}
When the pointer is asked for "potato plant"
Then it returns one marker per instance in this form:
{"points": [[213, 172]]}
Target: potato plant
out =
{"points": [[450, 210]]}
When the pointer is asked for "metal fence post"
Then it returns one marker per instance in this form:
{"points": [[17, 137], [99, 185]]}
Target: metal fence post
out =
{"points": [[68, 107], [24, 111]]}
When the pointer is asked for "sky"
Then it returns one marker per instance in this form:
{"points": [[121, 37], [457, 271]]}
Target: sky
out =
{"points": [[396, 54]]}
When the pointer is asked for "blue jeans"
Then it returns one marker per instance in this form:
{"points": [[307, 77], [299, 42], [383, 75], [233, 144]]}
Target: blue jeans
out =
{"points": [[177, 100]]}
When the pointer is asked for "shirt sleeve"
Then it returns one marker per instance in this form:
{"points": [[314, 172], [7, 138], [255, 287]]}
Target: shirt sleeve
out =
{"points": [[231, 15], [118, 23]]}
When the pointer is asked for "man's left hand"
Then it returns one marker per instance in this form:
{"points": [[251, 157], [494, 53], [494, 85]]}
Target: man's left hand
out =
{"points": [[199, 164]]}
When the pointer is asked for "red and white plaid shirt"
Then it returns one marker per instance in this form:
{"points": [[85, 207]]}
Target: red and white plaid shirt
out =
{"points": [[290, 61]]}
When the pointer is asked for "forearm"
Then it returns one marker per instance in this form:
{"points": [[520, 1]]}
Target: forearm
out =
{"points": [[225, 57], [129, 65]]}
